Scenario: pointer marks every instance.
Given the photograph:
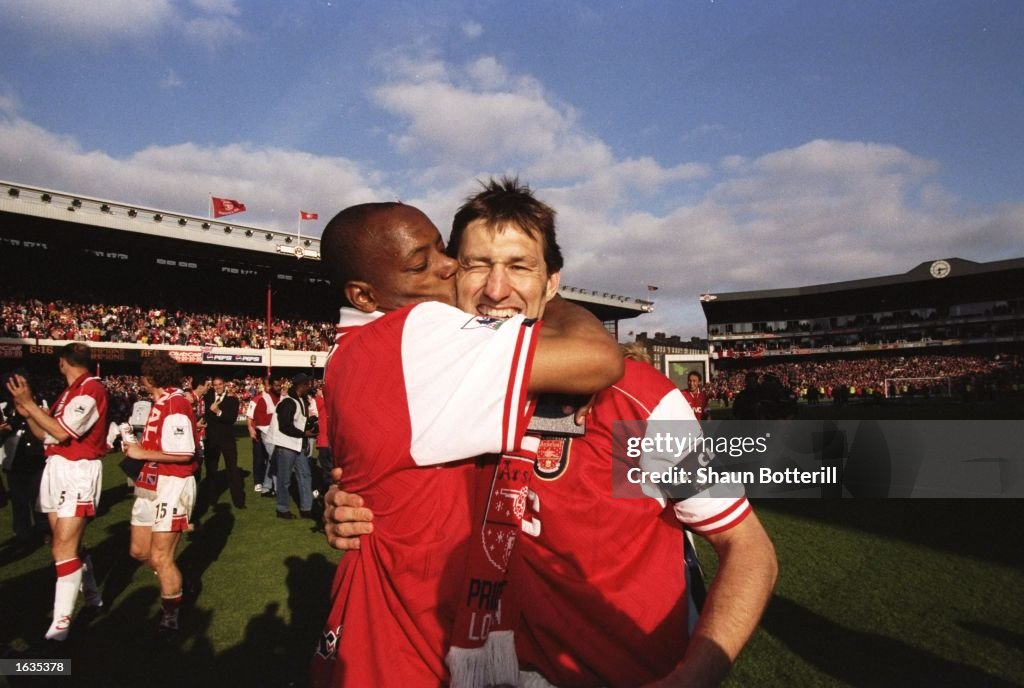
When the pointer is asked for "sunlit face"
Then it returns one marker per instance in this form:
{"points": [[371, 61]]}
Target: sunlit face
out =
{"points": [[693, 382], [502, 273], [411, 265]]}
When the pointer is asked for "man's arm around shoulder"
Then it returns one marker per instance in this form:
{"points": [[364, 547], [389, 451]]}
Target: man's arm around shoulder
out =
{"points": [[575, 354]]}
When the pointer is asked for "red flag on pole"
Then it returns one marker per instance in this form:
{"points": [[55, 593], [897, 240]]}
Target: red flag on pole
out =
{"points": [[226, 206], [303, 215]]}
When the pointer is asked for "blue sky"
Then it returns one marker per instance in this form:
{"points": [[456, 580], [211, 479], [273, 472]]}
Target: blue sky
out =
{"points": [[692, 145]]}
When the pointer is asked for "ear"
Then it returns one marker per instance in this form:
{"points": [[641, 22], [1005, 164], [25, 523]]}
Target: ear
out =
{"points": [[361, 295], [554, 280]]}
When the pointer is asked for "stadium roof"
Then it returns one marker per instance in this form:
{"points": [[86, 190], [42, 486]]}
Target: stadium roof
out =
{"points": [[954, 267], [76, 221], [950, 280]]}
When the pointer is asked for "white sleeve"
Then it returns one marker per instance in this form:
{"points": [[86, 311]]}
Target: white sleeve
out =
{"points": [[466, 382], [719, 507], [80, 413], [177, 436]]}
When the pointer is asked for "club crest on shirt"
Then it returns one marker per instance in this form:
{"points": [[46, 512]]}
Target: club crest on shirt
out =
{"points": [[552, 457], [483, 321]]}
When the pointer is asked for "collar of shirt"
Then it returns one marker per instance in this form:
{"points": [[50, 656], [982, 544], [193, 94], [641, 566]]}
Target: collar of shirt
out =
{"points": [[352, 318]]}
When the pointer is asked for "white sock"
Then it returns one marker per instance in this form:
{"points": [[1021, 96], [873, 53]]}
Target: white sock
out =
{"points": [[67, 587]]}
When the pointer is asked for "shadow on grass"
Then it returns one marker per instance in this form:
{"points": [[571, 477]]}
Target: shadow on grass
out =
{"points": [[275, 653], [865, 659], [123, 646], [1001, 635], [958, 526], [27, 601]]}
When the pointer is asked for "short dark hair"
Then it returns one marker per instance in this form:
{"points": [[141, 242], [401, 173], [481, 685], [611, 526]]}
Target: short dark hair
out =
{"points": [[508, 201], [697, 373], [162, 370], [345, 240], [77, 354]]}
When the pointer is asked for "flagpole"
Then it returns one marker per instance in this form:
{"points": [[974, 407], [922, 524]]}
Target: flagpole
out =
{"points": [[210, 196]]}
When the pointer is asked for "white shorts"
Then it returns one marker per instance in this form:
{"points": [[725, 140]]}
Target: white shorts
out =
{"points": [[70, 488], [171, 510]]}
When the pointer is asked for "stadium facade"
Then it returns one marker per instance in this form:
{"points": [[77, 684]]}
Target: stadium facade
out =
{"points": [[939, 306], [56, 245]]}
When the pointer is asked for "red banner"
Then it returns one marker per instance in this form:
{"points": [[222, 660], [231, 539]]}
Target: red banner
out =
{"points": [[226, 206]]}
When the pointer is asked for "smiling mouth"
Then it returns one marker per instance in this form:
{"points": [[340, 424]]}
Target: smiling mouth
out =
{"points": [[494, 312]]}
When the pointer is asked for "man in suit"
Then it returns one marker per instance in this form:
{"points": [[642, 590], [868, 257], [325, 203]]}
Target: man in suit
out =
{"points": [[221, 412]]}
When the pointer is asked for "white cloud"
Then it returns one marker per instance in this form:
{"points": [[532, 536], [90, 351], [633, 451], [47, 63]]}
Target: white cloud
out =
{"points": [[91, 21], [274, 183], [9, 101], [452, 123], [820, 212], [482, 115], [171, 80], [212, 32], [487, 73], [472, 29], [226, 8], [104, 22]]}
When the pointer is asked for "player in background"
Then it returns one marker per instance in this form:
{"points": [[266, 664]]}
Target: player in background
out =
{"points": [[75, 440], [259, 420], [165, 490], [697, 399]]}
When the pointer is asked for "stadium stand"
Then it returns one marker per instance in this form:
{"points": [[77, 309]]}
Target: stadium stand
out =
{"points": [[942, 305]]}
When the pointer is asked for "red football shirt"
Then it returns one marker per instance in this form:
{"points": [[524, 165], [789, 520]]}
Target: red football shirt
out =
{"points": [[81, 410], [406, 392], [171, 429], [601, 583], [698, 402]]}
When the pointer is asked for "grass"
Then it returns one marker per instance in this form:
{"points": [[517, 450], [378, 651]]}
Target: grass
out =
{"points": [[265, 593], [871, 593]]}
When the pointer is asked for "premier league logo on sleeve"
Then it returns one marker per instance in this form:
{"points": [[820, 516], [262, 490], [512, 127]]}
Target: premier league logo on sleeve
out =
{"points": [[483, 322]]}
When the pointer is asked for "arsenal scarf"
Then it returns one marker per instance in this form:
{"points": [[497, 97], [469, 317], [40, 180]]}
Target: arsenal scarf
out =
{"points": [[483, 649]]}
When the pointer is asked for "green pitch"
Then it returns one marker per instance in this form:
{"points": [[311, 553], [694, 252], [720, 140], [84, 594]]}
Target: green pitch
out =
{"points": [[870, 593]]}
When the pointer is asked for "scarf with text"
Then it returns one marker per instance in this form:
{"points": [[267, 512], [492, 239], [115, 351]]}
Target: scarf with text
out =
{"points": [[483, 646]]}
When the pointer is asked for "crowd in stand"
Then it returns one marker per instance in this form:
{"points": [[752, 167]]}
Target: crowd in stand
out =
{"points": [[961, 376], [973, 377], [91, 322]]}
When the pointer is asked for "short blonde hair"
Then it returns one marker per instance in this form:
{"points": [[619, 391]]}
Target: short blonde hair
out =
{"points": [[635, 351]]}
